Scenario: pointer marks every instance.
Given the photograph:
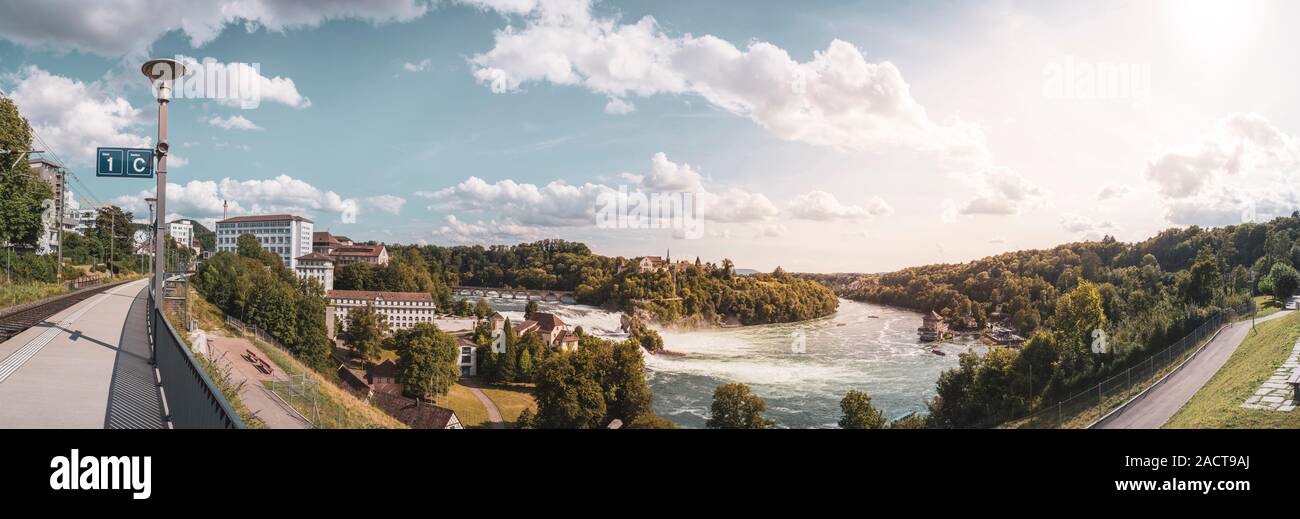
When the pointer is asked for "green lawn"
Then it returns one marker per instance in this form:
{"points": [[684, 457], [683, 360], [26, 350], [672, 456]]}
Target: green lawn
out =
{"points": [[1218, 404], [467, 407], [1266, 305], [512, 400]]}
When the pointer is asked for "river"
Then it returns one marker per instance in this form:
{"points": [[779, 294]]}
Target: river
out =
{"points": [[848, 350]]}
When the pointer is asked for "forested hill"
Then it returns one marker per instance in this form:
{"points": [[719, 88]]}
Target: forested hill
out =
{"points": [[1144, 295], [695, 291], [1130, 276]]}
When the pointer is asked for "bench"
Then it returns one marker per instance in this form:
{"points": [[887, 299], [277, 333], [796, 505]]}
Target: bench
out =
{"points": [[1294, 380]]}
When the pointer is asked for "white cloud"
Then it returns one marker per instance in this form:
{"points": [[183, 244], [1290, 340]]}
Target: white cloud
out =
{"points": [[385, 203], [1113, 192], [234, 122], [1240, 144], [836, 99], [1241, 170], [823, 206], [422, 66], [1000, 191], [75, 117], [484, 233], [559, 204], [66, 25], [619, 106], [282, 194], [774, 230], [244, 84], [1082, 225]]}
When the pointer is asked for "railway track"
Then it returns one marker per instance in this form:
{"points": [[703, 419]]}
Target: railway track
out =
{"points": [[13, 321]]}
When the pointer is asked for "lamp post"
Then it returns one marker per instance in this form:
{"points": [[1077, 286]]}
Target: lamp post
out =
{"points": [[161, 73], [153, 225]]}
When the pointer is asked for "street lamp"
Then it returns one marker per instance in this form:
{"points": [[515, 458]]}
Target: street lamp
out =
{"points": [[161, 73], [152, 223]]}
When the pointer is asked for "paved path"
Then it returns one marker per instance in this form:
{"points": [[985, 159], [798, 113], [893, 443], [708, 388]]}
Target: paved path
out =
{"points": [[1276, 394], [226, 352], [1158, 405], [494, 414], [84, 367]]}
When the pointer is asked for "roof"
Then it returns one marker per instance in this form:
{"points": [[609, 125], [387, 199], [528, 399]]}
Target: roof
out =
{"points": [[315, 256], [373, 294], [569, 337], [321, 236], [546, 321], [417, 415], [465, 342], [358, 250], [265, 218], [654, 258], [495, 316], [524, 326], [386, 369]]}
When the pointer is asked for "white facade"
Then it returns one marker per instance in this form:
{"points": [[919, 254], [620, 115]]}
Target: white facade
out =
{"points": [[287, 236], [403, 310], [181, 231], [85, 220], [319, 267]]}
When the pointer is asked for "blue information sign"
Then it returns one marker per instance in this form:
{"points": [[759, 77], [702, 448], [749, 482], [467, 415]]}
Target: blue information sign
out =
{"points": [[124, 162]]}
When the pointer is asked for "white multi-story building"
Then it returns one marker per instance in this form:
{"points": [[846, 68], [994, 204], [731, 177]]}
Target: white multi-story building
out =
{"points": [[286, 235], [402, 309], [181, 231], [85, 220], [319, 267]]}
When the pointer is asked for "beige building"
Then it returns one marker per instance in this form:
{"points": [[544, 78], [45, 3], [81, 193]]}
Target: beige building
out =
{"points": [[319, 267], [402, 309]]}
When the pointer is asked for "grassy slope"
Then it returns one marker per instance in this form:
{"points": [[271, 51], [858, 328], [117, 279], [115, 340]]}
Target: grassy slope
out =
{"points": [[19, 293], [1218, 404], [338, 404]]}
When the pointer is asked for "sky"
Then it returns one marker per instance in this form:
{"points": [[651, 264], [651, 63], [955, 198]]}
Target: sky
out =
{"points": [[816, 136]]}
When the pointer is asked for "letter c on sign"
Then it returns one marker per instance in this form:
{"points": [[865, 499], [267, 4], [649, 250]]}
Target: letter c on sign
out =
{"points": [[138, 164]]}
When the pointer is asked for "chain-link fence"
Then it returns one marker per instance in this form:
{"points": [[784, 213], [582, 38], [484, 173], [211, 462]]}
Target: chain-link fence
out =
{"points": [[1086, 407], [305, 396]]}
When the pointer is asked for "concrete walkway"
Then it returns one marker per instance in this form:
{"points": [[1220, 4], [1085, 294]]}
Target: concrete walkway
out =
{"points": [[494, 414], [84, 367], [1161, 402]]}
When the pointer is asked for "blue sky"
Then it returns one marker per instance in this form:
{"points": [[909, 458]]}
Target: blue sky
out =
{"points": [[825, 136]]}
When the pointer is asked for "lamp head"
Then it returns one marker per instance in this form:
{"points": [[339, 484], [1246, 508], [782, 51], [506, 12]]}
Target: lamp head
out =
{"points": [[162, 73]]}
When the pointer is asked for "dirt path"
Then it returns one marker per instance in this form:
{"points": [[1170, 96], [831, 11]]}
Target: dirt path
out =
{"points": [[228, 353], [494, 414]]}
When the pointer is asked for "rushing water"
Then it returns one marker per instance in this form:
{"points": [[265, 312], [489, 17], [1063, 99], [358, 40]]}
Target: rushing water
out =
{"points": [[848, 350]]}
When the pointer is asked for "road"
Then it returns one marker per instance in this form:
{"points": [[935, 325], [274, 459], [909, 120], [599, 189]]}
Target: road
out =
{"points": [[1158, 405], [494, 414], [84, 367]]}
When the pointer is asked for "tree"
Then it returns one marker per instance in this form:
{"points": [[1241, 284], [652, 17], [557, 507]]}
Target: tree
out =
{"points": [[482, 309], [531, 308], [427, 360], [247, 246], [115, 233], [734, 407], [365, 332], [1285, 280], [354, 276], [859, 413], [566, 397], [1204, 277], [23, 196]]}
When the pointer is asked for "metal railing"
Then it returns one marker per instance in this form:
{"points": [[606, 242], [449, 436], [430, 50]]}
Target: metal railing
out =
{"points": [[191, 400], [1088, 406]]}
